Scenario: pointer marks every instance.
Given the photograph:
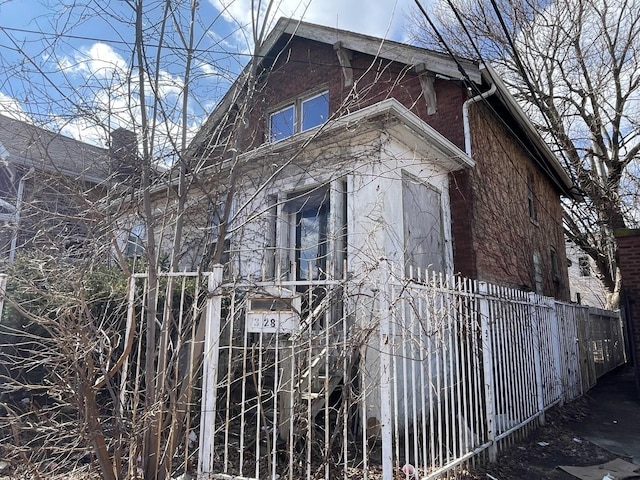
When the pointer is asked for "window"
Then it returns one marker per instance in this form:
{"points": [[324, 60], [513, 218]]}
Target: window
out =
{"points": [[423, 226], [315, 111], [301, 115], [309, 214], [537, 273], [282, 124], [531, 199], [584, 264], [135, 241], [555, 266]]}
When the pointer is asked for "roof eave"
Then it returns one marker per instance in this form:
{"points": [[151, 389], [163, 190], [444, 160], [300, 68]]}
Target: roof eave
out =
{"points": [[530, 130]]}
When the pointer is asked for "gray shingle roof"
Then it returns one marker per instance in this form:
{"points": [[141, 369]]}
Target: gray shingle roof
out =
{"points": [[26, 145]]}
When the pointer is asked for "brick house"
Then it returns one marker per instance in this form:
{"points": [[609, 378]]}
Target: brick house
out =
{"points": [[338, 109]]}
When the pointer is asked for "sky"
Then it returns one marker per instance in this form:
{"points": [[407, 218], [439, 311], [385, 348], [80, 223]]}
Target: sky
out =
{"points": [[69, 68]]}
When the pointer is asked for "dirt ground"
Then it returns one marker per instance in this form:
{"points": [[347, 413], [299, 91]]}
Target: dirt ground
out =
{"points": [[554, 444]]}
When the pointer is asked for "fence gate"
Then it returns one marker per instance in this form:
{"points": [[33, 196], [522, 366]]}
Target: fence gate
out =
{"points": [[283, 395]]}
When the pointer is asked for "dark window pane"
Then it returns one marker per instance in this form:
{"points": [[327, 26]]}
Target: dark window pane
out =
{"points": [[315, 111], [281, 124]]}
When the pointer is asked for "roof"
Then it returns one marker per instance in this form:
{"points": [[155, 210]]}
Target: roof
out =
{"points": [[23, 144], [438, 63], [285, 28], [435, 62]]}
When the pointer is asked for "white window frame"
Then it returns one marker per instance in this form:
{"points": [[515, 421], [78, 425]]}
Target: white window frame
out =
{"points": [[298, 114]]}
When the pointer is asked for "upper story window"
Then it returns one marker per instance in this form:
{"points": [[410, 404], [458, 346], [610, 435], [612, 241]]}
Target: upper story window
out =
{"points": [[282, 123], [301, 115], [584, 264]]}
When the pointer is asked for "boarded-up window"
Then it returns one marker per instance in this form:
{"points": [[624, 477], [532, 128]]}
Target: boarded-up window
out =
{"points": [[423, 229]]}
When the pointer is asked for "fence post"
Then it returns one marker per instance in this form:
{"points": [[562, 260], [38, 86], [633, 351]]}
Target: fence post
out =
{"points": [[3, 291], [386, 426], [210, 373], [537, 358], [557, 350], [487, 363]]}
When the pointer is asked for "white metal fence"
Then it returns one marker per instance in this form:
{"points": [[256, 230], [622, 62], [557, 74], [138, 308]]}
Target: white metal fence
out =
{"points": [[393, 378]]}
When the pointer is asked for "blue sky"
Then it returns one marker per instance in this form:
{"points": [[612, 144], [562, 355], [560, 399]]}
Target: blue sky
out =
{"points": [[68, 68]]}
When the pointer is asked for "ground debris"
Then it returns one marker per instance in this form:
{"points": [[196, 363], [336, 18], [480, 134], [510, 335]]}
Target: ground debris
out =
{"points": [[530, 460]]}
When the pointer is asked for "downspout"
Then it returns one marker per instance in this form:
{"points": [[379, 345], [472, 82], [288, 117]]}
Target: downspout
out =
{"points": [[465, 116]]}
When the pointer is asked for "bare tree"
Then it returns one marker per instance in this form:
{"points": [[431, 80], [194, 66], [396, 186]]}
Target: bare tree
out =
{"points": [[573, 66], [152, 411]]}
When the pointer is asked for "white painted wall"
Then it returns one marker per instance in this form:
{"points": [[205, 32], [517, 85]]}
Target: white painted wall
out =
{"points": [[374, 224]]}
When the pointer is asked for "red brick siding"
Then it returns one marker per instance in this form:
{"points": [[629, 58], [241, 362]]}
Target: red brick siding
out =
{"points": [[505, 238], [462, 228], [308, 66], [629, 261]]}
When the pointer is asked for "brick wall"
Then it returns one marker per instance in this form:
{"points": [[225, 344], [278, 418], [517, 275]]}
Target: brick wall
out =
{"points": [[308, 66], [493, 238], [629, 261], [505, 237]]}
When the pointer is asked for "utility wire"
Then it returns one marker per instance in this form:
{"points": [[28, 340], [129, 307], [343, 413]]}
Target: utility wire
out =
{"points": [[525, 76], [475, 88]]}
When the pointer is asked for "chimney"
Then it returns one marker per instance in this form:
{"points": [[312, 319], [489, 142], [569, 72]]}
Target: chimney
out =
{"points": [[124, 155]]}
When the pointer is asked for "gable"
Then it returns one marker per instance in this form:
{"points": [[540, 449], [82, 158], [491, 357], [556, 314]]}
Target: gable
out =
{"points": [[305, 68], [299, 60]]}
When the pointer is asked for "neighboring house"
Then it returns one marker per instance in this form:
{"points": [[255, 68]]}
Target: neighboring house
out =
{"points": [[358, 148], [586, 287], [49, 186]]}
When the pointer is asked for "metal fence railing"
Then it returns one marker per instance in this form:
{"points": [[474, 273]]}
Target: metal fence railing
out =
{"points": [[393, 376]]}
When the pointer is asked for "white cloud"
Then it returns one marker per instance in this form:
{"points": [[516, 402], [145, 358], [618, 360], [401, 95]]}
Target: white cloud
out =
{"points": [[377, 18], [10, 107], [99, 60], [83, 130]]}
